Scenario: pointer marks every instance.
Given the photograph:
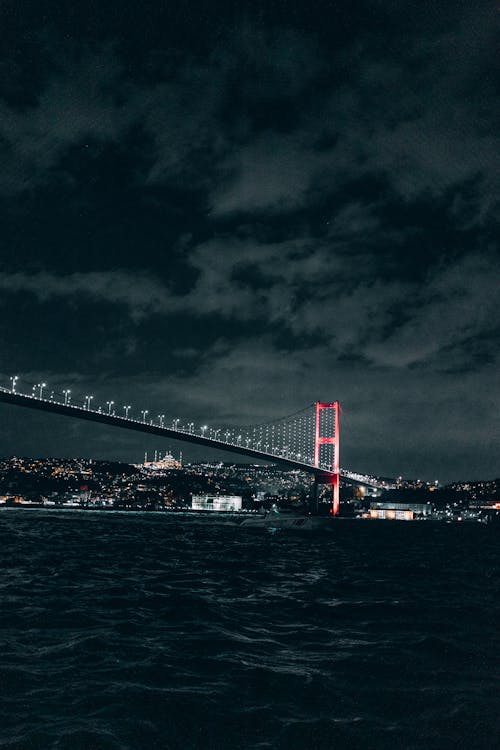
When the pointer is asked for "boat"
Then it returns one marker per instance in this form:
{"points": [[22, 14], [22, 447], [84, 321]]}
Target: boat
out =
{"points": [[274, 520]]}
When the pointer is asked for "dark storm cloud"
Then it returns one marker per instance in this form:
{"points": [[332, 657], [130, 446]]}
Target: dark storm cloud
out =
{"points": [[292, 210], [423, 120], [141, 295], [455, 302]]}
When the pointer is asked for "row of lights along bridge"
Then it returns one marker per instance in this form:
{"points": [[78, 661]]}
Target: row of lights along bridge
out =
{"points": [[38, 392]]}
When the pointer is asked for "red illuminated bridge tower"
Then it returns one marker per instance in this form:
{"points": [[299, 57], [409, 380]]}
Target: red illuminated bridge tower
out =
{"points": [[326, 448]]}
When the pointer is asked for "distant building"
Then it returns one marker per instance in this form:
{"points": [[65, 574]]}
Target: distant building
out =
{"points": [[162, 463], [391, 514], [420, 509], [216, 502]]}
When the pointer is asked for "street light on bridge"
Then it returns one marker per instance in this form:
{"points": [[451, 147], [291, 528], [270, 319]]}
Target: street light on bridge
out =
{"points": [[126, 409], [109, 404], [13, 380], [203, 430], [88, 399], [41, 386], [66, 396], [144, 412]]}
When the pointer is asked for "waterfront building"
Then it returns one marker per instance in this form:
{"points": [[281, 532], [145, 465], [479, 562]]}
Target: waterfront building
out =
{"points": [[391, 514], [216, 502], [420, 509]]}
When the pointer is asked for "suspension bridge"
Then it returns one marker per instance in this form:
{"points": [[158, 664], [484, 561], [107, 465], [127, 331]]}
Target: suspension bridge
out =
{"points": [[308, 440]]}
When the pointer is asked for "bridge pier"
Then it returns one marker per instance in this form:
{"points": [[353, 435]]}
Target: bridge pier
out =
{"points": [[332, 480]]}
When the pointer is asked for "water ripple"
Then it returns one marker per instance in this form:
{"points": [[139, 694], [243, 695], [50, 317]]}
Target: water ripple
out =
{"points": [[132, 631]]}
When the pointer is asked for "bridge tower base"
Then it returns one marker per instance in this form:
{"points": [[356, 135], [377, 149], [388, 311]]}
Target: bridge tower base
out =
{"points": [[331, 481]]}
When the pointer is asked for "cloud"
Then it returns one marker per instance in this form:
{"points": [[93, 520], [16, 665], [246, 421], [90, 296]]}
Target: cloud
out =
{"points": [[422, 120], [307, 291], [456, 303], [272, 120], [142, 294], [273, 173]]}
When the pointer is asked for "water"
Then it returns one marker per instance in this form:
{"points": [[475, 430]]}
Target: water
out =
{"points": [[128, 631]]}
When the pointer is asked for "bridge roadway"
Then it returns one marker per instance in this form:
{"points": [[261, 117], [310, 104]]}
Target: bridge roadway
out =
{"points": [[80, 412]]}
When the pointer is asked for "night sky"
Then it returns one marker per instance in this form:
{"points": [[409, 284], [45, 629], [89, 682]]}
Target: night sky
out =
{"points": [[224, 211]]}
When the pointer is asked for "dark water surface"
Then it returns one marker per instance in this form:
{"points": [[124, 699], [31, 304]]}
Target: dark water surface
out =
{"points": [[147, 631]]}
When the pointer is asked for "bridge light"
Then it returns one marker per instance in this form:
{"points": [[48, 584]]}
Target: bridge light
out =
{"points": [[127, 409], [13, 380], [66, 396], [203, 429]]}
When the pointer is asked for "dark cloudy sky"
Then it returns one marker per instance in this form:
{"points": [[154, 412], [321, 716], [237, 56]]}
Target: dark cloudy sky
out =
{"points": [[225, 211]]}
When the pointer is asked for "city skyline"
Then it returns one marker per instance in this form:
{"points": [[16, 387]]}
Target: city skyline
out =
{"points": [[224, 214]]}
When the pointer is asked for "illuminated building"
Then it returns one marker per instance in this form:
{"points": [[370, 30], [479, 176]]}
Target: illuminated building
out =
{"points": [[421, 509], [167, 462], [216, 502], [391, 514]]}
